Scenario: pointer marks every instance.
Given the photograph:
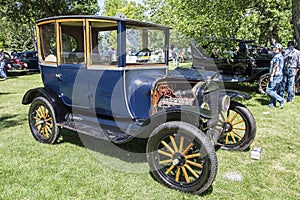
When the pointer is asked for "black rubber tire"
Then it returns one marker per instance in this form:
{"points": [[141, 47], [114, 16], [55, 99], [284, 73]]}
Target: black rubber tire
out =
{"points": [[206, 157], [42, 121], [263, 83], [242, 129]]}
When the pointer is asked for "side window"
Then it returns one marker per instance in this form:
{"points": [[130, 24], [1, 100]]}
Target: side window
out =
{"points": [[48, 42], [103, 43], [72, 43]]}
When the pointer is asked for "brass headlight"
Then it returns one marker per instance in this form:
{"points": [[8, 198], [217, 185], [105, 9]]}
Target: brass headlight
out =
{"points": [[225, 103]]}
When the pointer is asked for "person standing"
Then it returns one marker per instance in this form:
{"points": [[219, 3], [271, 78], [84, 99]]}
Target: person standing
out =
{"points": [[276, 71], [2, 64], [291, 66]]}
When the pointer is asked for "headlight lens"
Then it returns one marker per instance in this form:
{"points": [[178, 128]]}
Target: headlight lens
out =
{"points": [[225, 103]]}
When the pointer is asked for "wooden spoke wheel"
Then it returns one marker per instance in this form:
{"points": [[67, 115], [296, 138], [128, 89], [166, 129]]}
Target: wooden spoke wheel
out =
{"points": [[263, 83], [42, 121], [182, 157], [238, 127]]}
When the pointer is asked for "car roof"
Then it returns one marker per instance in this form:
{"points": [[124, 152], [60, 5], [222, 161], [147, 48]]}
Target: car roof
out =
{"points": [[127, 21]]}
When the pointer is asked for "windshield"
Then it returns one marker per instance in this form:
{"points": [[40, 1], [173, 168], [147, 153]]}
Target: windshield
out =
{"points": [[144, 45]]}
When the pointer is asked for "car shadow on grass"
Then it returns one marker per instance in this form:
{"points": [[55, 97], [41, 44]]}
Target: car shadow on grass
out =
{"points": [[7, 121], [133, 151]]}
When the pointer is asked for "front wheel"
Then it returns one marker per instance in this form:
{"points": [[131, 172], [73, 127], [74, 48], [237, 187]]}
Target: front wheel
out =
{"points": [[238, 128], [42, 121], [182, 157]]}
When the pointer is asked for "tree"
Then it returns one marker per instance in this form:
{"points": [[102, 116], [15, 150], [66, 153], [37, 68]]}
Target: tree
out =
{"points": [[262, 20], [296, 20], [28, 11]]}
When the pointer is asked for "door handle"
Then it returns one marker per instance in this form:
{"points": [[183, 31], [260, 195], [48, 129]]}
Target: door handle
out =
{"points": [[58, 76]]}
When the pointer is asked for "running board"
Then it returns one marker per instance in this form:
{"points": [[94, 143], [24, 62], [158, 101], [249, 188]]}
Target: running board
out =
{"points": [[101, 132]]}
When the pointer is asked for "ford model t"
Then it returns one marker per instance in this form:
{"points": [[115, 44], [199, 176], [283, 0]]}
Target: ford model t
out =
{"points": [[93, 86]]}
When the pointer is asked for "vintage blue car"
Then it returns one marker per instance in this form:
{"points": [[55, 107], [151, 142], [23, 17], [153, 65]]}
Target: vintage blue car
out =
{"points": [[91, 86]]}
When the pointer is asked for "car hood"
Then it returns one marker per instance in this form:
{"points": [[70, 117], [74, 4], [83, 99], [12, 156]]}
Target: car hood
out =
{"points": [[193, 74]]}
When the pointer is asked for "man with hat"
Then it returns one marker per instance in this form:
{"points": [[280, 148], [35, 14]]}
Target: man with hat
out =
{"points": [[276, 71], [291, 66]]}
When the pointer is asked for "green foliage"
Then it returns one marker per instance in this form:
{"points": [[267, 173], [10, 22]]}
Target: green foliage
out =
{"points": [[22, 15], [130, 9], [265, 21]]}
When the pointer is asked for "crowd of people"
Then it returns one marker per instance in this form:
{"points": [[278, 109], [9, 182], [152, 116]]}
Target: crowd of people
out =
{"points": [[283, 69]]}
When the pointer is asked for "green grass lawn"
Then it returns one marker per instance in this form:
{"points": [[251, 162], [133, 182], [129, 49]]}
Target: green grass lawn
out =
{"points": [[69, 170]]}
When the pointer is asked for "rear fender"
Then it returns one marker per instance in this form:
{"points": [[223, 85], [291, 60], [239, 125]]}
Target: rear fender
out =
{"points": [[59, 108]]}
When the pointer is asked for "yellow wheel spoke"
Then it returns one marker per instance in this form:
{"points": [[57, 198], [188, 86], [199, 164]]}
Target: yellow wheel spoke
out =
{"points": [[186, 176], [181, 144], [177, 174], [168, 147], [192, 156], [37, 118], [170, 169], [41, 109], [49, 119], [226, 139], [188, 148], [192, 171], [236, 123], [50, 125], [174, 143], [46, 112], [236, 133], [43, 131], [49, 130], [165, 153], [46, 131], [39, 127], [38, 113], [232, 136], [239, 128], [194, 164], [163, 162], [232, 119]]}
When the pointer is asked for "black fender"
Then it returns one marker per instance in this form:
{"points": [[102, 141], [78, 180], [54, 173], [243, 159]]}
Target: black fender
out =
{"points": [[234, 94], [190, 114], [59, 108]]}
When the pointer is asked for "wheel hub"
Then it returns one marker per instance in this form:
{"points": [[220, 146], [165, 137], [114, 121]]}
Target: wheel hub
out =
{"points": [[178, 159], [227, 127]]}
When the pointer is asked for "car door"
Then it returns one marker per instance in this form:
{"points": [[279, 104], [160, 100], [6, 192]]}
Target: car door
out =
{"points": [[71, 72]]}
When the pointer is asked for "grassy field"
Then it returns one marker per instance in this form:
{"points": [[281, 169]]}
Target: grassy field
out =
{"points": [[69, 170]]}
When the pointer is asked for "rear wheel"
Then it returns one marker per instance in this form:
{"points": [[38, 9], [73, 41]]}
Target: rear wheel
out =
{"points": [[182, 157], [263, 83], [42, 121], [239, 128]]}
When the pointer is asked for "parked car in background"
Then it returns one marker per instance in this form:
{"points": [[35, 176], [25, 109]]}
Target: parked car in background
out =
{"points": [[243, 62], [31, 59]]}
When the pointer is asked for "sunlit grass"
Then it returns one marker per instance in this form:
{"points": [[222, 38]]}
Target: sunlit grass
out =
{"points": [[69, 170]]}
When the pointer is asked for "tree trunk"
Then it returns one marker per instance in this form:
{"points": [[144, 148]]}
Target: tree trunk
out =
{"points": [[32, 33], [296, 20]]}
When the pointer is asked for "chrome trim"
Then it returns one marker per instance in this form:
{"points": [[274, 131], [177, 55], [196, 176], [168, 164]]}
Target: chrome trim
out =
{"points": [[125, 94]]}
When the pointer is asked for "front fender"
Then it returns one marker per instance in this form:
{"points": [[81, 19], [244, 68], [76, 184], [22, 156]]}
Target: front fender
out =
{"points": [[59, 108], [233, 94], [189, 114]]}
